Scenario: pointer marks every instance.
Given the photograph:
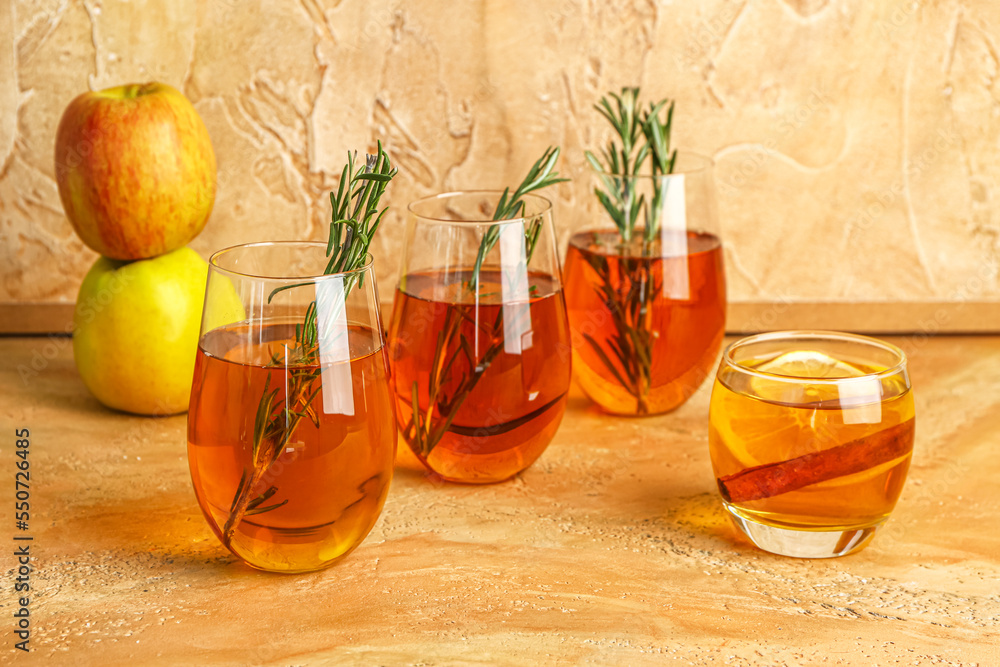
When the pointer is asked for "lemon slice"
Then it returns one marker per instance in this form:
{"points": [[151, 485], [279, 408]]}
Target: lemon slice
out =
{"points": [[805, 390], [801, 365], [809, 364]]}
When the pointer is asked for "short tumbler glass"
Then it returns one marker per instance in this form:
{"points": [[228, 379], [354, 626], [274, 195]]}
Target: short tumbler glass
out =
{"points": [[810, 436]]}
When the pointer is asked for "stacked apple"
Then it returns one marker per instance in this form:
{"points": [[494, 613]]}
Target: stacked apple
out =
{"points": [[136, 175]]}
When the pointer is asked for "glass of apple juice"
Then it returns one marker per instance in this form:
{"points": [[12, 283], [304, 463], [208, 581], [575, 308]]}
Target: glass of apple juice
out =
{"points": [[647, 296], [810, 436], [479, 340], [291, 430]]}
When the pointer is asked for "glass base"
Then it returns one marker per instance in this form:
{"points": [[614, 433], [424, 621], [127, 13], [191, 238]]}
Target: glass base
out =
{"points": [[803, 543]]}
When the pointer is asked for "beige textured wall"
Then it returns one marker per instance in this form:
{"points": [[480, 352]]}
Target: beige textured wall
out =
{"points": [[856, 141]]}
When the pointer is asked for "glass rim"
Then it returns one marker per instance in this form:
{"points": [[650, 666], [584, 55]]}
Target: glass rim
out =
{"points": [[815, 334], [544, 201], [705, 165], [218, 254]]}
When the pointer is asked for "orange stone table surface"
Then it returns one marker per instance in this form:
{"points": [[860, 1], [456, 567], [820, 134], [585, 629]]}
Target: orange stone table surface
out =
{"points": [[612, 549]]}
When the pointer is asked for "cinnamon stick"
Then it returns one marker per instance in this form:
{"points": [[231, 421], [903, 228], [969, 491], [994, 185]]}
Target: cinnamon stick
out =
{"points": [[772, 479]]}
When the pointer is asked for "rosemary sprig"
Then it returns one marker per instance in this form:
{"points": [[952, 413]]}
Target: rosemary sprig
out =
{"points": [[426, 428], [355, 219], [511, 207], [644, 136], [662, 160]]}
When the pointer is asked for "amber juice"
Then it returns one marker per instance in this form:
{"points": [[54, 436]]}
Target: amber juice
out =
{"points": [[504, 366], [834, 455], [330, 481], [646, 328]]}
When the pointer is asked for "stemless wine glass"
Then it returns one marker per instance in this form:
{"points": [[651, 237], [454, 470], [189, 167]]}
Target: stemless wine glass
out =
{"points": [[647, 315], [810, 436], [479, 342], [291, 434]]}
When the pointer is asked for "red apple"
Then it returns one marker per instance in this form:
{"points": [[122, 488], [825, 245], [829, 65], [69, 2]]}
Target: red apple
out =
{"points": [[135, 169]]}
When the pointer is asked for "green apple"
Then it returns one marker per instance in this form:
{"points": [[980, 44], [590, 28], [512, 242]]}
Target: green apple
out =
{"points": [[136, 329], [135, 170]]}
